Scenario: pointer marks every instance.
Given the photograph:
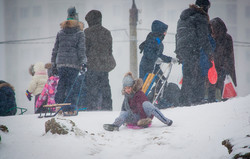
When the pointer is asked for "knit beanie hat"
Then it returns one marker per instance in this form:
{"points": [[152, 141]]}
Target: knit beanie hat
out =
{"points": [[72, 15], [93, 17], [128, 80]]}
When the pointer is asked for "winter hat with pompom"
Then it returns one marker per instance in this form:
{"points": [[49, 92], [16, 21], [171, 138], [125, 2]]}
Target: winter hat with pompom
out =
{"points": [[72, 15], [128, 80]]}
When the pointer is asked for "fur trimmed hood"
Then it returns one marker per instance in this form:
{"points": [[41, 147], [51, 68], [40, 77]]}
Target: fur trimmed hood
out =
{"points": [[192, 10], [138, 85], [31, 70], [5, 84], [72, 24], [39, 67]]}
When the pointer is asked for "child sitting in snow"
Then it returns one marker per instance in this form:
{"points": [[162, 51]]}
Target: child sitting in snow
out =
{"points": [[136, 109], [49, 90]]}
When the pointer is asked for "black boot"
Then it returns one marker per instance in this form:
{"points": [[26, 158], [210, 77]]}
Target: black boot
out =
{"points": [[111, 127]]}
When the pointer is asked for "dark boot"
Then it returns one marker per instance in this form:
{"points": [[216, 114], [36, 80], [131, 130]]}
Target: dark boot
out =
{"points": [[111, 127]]}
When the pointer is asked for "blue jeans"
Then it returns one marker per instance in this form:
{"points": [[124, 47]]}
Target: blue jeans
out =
{"points": [[149, 109]]}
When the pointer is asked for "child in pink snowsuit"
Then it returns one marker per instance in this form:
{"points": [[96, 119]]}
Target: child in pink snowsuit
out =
{"points": [[48, 92]]}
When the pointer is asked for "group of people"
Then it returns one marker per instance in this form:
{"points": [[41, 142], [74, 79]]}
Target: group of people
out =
{"points": [[76, 51], [199, 41], [88, 52]]}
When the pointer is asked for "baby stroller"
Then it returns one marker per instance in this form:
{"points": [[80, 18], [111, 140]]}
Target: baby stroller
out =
{"points": [[161, 93]]}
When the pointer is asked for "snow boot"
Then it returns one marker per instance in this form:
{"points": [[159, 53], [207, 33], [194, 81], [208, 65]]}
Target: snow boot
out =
{"points": [[144, 122], [170, 123], [111, 127]]}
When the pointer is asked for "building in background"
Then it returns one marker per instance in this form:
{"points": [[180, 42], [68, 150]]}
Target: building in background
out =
{"points": [[34, 19]]}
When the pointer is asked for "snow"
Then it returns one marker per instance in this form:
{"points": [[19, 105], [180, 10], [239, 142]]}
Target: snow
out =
{"points": [[197, 132]]}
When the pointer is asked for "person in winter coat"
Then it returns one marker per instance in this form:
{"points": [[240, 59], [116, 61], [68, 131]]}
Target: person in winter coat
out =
{"points": [[224, 55], [191, 37], [38, 81], [68, 55], [152, 49], [100, 63], [135, 107], [48, 93], [7, 99]]}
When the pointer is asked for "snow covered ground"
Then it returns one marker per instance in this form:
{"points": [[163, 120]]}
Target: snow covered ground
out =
{"points": [[197, 133]]}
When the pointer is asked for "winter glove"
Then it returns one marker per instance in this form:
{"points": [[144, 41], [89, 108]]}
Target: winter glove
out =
{"points": [[83, 68], [174, 60], [54, 69], [28, 94]]}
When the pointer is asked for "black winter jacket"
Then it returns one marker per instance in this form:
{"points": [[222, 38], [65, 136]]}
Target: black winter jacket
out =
{"points": [[153, 48], [192, 34], [98, 44]]}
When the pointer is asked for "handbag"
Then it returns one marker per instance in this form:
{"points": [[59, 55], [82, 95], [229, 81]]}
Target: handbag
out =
{"points": [[229, 90]]}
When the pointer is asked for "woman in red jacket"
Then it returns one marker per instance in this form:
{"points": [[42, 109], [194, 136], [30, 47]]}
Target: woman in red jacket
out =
{"points": [[136, 109]]}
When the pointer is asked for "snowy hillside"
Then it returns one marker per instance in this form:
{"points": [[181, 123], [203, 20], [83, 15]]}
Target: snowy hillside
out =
{"points": [[197, 133]]}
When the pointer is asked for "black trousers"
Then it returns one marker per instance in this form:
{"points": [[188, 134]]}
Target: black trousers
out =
{"points": [[98, 92], [67, 77], [193, 86]]}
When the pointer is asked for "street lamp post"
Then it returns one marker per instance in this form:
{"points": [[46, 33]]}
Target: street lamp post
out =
{"points": [[133, 18]]}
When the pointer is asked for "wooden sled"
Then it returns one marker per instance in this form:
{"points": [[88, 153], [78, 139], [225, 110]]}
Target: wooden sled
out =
{"points": [[66, 108]]}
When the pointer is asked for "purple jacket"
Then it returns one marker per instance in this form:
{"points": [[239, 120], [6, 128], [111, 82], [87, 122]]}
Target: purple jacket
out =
{"points": [[136, 103]]}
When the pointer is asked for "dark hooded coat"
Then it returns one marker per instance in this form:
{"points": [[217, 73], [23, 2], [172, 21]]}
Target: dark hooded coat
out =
{"points": [[98, 44], [191, 38], [224, 52], [7, 99], [153, 48], [100, 63], [192, 34]]}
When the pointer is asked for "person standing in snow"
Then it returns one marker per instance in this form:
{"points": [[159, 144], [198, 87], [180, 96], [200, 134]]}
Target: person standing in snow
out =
{"points": [[136, 109], [152, 49], [100, 63], [224, 55], [48, 93], [8, 99], [68, 55], [191, 37], [39, 79]]}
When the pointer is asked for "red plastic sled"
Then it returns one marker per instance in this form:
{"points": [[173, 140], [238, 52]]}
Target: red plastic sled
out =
{"points": [[132, 126], [212, 74]]}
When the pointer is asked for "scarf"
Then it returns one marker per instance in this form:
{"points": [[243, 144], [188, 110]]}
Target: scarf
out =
{"points": [[125, 104]]}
